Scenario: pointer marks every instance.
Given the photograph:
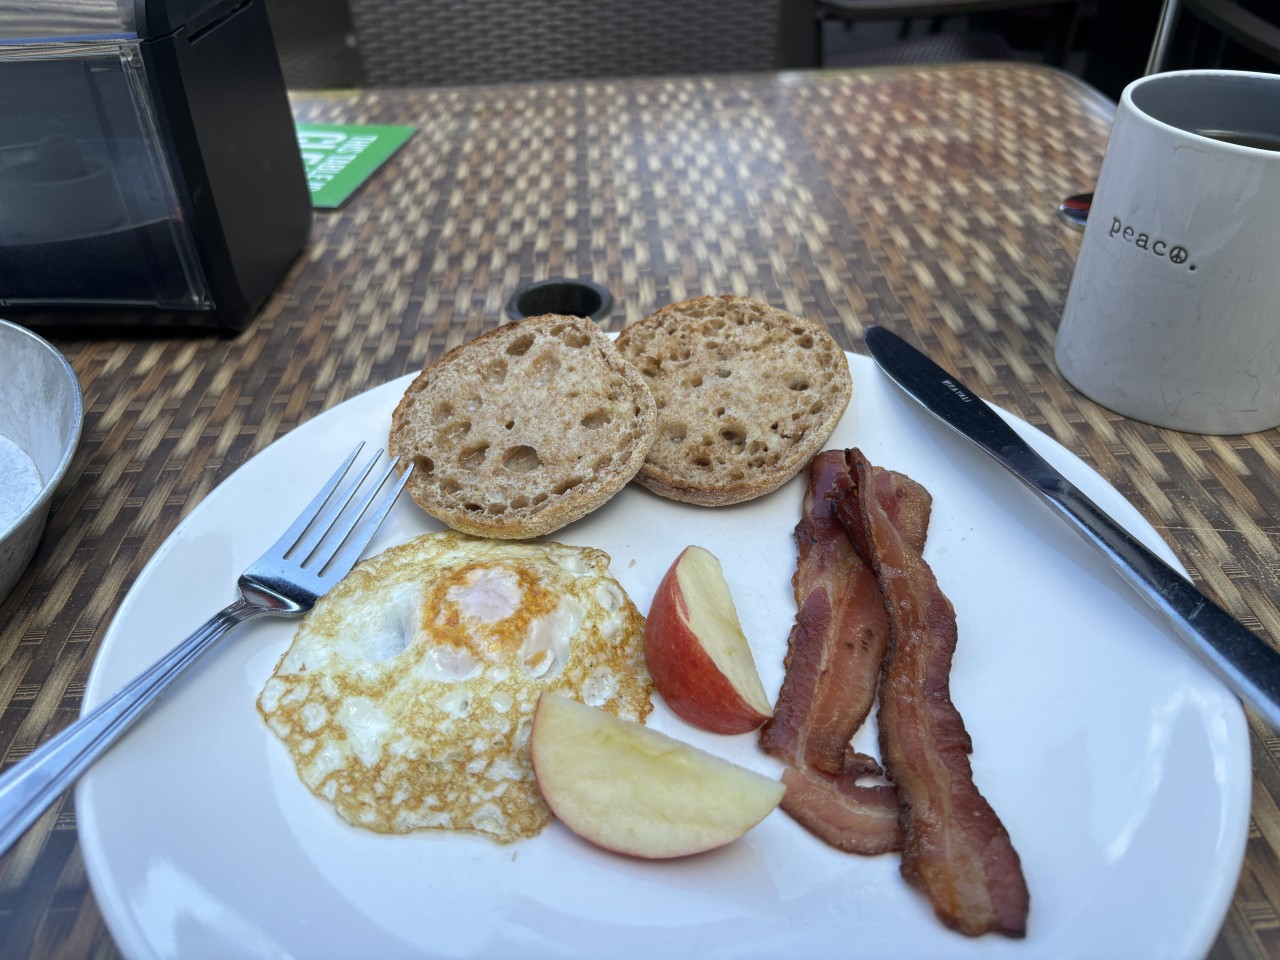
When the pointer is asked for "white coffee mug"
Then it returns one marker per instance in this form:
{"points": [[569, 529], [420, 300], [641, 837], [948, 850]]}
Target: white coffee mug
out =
{"points": [[1173, 315]]}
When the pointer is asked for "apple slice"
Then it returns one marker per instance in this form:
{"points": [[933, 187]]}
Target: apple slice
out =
{"points": [[696, 652], [634, 790]]}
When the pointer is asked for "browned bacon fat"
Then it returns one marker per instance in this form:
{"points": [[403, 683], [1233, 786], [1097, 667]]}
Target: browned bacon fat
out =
{"points": [[833, 664], [955, 849]]}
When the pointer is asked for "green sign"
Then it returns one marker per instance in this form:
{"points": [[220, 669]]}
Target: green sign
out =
{"points": [[338, 159]]}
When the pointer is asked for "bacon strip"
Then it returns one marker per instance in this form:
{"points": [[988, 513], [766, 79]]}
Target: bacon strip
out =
{"points": [[846, 815], [834, 656], [838, 640], [955, 849]]}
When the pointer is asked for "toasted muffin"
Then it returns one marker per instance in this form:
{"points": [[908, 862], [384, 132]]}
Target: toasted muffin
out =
{"points": [[746, 395], [524, 429]]}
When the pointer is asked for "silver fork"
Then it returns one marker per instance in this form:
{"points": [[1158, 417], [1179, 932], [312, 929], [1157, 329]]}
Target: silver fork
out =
{"points": [[317, 551]]}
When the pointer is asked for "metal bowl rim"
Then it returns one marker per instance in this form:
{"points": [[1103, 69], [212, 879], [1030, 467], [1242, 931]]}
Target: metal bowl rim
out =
{"points": [[73, 441]]}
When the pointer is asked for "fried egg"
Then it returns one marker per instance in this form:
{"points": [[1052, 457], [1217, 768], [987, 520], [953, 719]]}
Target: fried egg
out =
{"points": [[408, 692]]}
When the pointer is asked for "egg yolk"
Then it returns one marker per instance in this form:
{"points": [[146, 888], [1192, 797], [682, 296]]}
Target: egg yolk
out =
{"points": [[487, 610]]}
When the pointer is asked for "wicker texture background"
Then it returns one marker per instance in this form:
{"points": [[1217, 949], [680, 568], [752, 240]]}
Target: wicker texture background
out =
{"points": [[921, 198], [317, 43], [404, 42]]}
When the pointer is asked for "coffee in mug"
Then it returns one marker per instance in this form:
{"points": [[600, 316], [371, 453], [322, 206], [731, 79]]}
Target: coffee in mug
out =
{"points": [[1173, 314], [1257, 141]]}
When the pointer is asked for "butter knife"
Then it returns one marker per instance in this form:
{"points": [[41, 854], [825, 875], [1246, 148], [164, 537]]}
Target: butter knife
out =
{"points": [[1244, 662]]}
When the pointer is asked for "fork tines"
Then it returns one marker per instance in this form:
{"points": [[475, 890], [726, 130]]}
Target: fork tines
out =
{"points": [[333, 531]]}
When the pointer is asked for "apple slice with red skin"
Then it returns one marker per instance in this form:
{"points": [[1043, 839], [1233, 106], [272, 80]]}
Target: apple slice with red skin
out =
{"points": [[696, 652], [637, 791]]}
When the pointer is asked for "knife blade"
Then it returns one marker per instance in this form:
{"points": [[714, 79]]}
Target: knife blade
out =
{"points": [[1248, 666]]}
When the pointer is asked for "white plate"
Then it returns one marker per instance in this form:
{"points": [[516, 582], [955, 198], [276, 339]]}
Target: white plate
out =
{"points": [[1119, 767]]}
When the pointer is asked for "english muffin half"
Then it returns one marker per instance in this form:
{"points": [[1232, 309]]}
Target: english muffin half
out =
{"points": [[524, 429], [746, 395]]}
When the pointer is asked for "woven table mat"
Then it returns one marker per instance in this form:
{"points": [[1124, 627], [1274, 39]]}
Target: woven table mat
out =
{"points": [[923, 199]]}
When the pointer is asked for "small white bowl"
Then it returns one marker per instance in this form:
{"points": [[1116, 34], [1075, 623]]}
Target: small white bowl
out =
{"points": [[41, 415]]}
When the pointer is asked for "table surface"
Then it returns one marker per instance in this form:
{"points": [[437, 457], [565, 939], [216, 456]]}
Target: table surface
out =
{"points": [[920, 198]]}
